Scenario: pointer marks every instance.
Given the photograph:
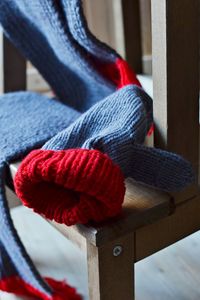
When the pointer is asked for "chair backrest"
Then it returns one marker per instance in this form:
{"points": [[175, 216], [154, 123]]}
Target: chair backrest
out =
{"points": [[175, 43], [175, 59]]}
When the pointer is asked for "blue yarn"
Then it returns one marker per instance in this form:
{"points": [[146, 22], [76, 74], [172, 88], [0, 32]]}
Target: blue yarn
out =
{"points": [[118, 126], [73, 13], [7, 268], [40, 30], [27, 120], [14, 259]]}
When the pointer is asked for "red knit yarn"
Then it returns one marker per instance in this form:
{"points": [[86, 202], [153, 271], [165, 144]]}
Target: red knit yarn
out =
{"points": [[61, 290], [127, 75], [71, 186], [151, 130], [120, 73]]}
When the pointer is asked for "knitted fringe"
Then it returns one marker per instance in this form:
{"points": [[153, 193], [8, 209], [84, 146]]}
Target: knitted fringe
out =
{"points": [[62, 291], [71, 186]]}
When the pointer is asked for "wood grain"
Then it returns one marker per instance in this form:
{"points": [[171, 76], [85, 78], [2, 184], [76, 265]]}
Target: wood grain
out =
{"points": [[170, 274], [111, 277], [154, 237], [175, 76], [146, 37], [132, 33], [142, 205], [145, 13], [105, 21]]}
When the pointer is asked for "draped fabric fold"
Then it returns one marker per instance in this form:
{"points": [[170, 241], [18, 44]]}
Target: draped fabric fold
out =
{"points": [[27, 120]]}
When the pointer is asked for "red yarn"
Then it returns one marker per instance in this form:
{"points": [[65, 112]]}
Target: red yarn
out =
{"points": [[120, 73], [71, 186], [151, 130], [127, 75], [61, 290]]}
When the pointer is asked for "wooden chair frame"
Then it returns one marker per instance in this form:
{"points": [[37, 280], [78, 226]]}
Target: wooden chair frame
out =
{"points": [[153, 220]]}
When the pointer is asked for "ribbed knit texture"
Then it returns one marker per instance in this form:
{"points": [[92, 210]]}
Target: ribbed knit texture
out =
{"points": [[72, 186], [27, 120], [118, 126], [73, 13], [113, 123], [75, 64], [71, 70]]}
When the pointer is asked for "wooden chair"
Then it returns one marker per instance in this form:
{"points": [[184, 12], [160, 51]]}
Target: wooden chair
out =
{"points": [[152, 220]]}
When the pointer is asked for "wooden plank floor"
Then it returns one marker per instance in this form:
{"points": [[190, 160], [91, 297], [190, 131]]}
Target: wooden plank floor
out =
{"points": [[173, 273]]}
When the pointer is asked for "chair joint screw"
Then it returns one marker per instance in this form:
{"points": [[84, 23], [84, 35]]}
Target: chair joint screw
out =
{"points": [[117, 250]]}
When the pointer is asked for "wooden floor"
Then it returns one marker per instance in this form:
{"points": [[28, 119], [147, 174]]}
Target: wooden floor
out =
{"points": [[172, 274]]}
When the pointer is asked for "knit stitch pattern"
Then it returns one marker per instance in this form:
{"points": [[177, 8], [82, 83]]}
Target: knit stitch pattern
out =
{"points": [[73, 13], [72, 186], [27, 120], [118, 126], [67, 66], [80, 179]]}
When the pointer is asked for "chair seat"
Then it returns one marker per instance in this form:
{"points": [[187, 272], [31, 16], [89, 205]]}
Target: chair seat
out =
{"points": [[142, 205]]}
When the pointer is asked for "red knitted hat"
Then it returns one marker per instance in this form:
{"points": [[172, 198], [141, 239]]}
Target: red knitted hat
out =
{"points": [[71, 186]]}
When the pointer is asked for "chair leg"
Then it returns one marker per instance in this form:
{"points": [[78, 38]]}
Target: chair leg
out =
{"points": [[111, 270]]}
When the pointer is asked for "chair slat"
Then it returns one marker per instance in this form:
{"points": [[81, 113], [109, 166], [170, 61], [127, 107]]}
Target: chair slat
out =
{"points": [[169, 230], [175, 76], [13, 70], [132, 33]]}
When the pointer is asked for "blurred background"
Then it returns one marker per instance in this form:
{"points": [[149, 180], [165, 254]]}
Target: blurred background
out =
{"points": [[117, 25]]}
